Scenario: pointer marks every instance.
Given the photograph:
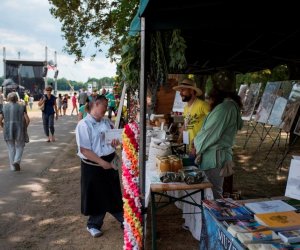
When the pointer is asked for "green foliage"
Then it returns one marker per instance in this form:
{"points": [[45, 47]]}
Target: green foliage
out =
{"points": [[278, 73], [1, 80], [159, 66], [129, 66], [89, 22], [177, 49]]}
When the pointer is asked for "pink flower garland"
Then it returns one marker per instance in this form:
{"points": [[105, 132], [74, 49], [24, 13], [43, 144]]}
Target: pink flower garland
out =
{"points": [[133, 232]]}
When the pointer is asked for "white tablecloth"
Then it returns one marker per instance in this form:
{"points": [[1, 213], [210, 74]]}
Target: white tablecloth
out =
{"points": [[191, 214]]}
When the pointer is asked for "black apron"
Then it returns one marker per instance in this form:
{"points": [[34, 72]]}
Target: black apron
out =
{"points": [[100, 189]]}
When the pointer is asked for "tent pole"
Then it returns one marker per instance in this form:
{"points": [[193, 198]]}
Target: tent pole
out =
{"points": [[142, 125]]}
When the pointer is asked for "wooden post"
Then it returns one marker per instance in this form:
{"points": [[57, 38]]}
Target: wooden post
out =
{"points": [[120, 108]]}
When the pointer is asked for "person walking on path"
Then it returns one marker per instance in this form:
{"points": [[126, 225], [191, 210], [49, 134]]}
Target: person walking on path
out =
{"points": [[49, 111], [1, 101], [74, 103], [15, 126], [82, 98], [83, 110], [65, 103], [31, 100], [26, 99], [59, 104], [111, 104], [100, 183]]}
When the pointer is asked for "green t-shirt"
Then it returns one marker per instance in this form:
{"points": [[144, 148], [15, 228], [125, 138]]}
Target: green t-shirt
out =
{"points": [[82, 110], [111, 100], [216, 138]]}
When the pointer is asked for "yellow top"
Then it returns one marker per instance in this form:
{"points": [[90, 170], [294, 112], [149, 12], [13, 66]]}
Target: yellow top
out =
{"points": [[194, 116]]}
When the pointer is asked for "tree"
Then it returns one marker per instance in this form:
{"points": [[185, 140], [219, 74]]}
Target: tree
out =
{"points": [[98, 22]]}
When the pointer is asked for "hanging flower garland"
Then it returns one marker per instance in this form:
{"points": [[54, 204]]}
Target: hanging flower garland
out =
{"points": [[133, 232]]}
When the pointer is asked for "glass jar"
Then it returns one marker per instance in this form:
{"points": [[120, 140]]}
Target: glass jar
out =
{"points": [[164, 165], [176, 165]]}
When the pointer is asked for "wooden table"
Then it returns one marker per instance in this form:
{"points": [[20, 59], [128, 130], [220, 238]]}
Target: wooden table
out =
{"points": [[160, 189]]}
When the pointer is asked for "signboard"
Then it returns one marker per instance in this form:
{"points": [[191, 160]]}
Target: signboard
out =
{"points": [[178, 104], [267, 101], [90, 88], [249, 99], [293, 183]]}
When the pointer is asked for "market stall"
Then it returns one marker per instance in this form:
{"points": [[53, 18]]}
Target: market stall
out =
{"points": [[219, 48]]}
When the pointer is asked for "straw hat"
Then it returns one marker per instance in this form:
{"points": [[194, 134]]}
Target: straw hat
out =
{"points": [[188, 84]]}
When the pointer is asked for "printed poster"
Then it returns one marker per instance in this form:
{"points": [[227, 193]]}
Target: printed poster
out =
{"points": [[275, 118], [267, 101], [178, 105], [293, 183], [249, 100]]}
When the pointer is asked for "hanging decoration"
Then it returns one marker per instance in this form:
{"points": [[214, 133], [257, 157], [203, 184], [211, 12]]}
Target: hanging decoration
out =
{"points": [[133, 232]]}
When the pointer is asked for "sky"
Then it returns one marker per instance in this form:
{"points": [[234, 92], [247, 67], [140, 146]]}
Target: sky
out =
{"points": [[26, 26]]}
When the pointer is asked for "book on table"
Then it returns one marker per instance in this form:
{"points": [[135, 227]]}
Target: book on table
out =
{"points": [[245, 226], [291, 236], [295, 203], [261, 207], [279, 221], [257, 237], [227, 209], [271, 246]]}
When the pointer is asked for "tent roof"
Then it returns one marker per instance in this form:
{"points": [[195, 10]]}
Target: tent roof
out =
{"points": [[240, 36]]}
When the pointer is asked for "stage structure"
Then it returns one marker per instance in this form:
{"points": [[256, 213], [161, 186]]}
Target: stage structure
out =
{"points": [[28, 75]]}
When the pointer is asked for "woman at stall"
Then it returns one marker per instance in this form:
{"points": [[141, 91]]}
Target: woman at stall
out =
{"points": [[215, 140]]}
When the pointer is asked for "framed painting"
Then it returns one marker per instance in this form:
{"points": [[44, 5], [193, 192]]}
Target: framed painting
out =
{"points": [[249, 101], [280, 104], [295, 92], [267, 101], [290, 112], [275, 118]]}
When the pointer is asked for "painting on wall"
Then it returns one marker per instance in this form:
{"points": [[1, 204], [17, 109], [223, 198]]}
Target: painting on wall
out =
{"points": [[268, 99], [249, 101]]}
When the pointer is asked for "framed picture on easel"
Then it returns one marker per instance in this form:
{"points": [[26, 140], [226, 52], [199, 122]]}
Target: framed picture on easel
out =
{"points": [[291, 108], [289, 115], [281, 101], [249, 100], [267, 101]]}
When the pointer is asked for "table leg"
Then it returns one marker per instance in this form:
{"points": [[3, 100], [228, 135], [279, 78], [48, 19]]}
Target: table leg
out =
{"points": [[153, 221]]}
